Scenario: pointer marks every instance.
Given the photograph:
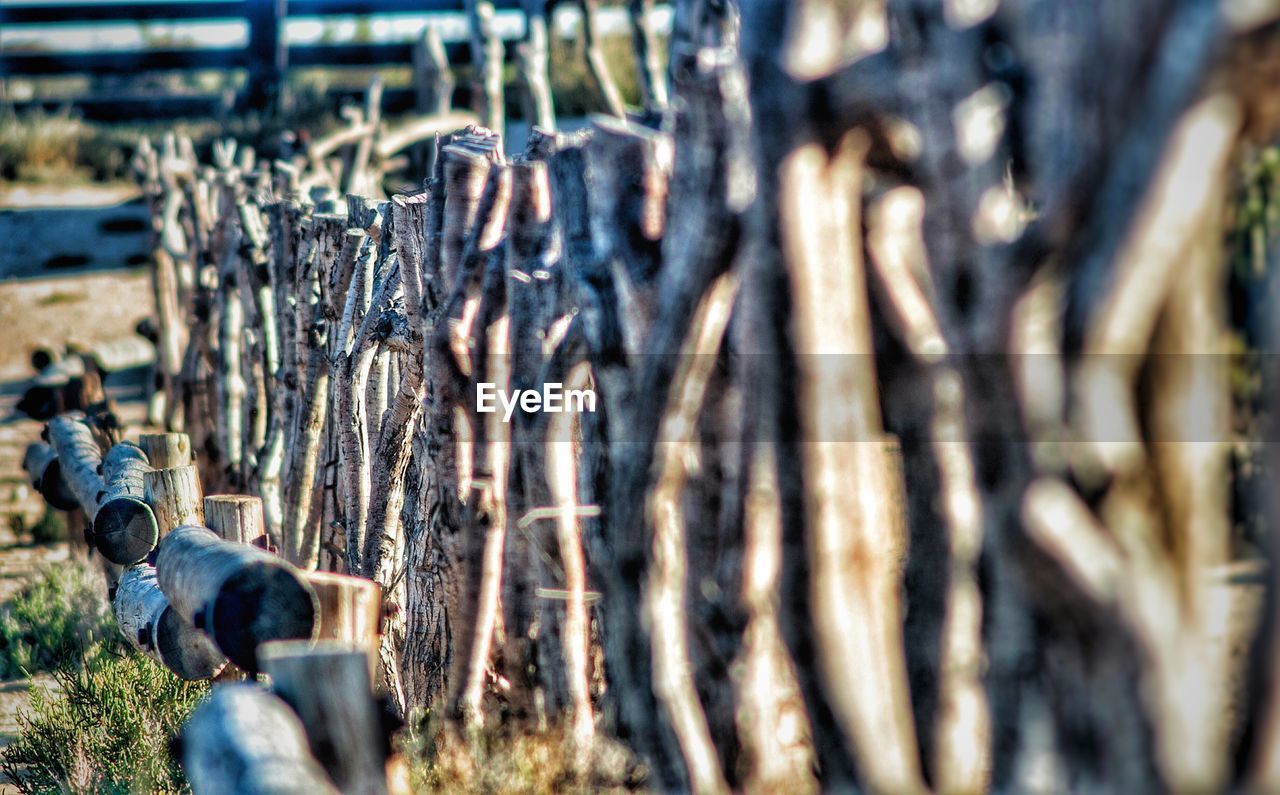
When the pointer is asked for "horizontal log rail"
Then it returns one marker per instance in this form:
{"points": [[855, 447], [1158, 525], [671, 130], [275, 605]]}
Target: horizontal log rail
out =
{"points": [[267, 56], [242, 596], [152, 626]]}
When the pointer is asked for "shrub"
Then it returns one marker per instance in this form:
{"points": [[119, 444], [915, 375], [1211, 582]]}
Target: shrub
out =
{"points": [[50, 528], [107, 730], [38, 145], [56, 622]]}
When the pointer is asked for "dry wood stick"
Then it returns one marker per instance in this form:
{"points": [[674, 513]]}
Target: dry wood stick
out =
{"points": [[486, 55], [666, 586], [561, 477]]}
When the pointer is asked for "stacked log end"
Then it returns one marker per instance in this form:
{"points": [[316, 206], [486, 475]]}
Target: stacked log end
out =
{"points": [[124, 528], [239, 594], [245, 740]]}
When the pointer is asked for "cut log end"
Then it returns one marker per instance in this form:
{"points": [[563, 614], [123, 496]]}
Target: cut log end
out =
{"points": [[125, 530], [166, 450], [262, 603], [185, 650]]}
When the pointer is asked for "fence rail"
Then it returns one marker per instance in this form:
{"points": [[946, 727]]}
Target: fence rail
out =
{"points": [[267, 55]]}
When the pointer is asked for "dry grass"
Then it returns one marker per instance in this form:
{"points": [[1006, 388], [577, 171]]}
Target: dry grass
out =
{"points": [[498, 762]]}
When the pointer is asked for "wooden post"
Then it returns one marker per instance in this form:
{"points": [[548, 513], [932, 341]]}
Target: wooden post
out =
{"points": [[534, 59], [235, 517], [151, 625], [433, 85], [124, 528], [45, 473], [245, 740], [241, 595], [268, 53], [329, 688], [174, 497], [486, 59], [79, 456], [166, 450], [350, 610]]}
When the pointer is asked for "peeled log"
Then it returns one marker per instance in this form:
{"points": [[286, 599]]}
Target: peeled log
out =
{"points": [[174, 497], [235, 517], [245, 740], [124, 528], [166, 450], [138, 603], [41, 464], [152, 626], [79, 457], [239, 594], [330, 689], [350, 609]]}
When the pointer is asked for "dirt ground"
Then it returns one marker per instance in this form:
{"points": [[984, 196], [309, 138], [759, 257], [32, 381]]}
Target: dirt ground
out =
{"points": [[72, 271]]}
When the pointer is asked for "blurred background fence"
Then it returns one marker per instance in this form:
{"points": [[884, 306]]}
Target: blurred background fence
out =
{"points": [[264, 52]]}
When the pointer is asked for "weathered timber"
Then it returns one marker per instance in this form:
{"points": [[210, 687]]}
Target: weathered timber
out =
{"points": [[174, 497], [45, 473], [329, 688], [235, 517], [245, 740], [350, 609], [151, 625], [79, 457], [124, 528], [166, 450], [241, 595]]}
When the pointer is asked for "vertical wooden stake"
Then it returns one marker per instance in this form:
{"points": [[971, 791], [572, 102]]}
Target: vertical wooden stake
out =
{"points": [[328, 686], [174, 497], [166, 450], [235, 517]]}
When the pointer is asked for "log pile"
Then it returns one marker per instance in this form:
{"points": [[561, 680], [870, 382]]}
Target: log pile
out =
{"points": [[865, 483]]}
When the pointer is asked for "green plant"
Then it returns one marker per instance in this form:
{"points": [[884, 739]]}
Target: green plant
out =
{"points": [[50, 528], [38, 144], [107, 730], [56, 622]]}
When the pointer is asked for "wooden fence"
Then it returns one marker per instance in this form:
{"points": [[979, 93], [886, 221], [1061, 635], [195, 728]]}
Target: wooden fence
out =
{"points": [[833, 527], [266, 56]]}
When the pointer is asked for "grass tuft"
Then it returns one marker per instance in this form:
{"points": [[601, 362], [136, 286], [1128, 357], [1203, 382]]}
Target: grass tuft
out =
{"points": [[106, 730], [56, 622], [498, 762], [50, 528]]}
